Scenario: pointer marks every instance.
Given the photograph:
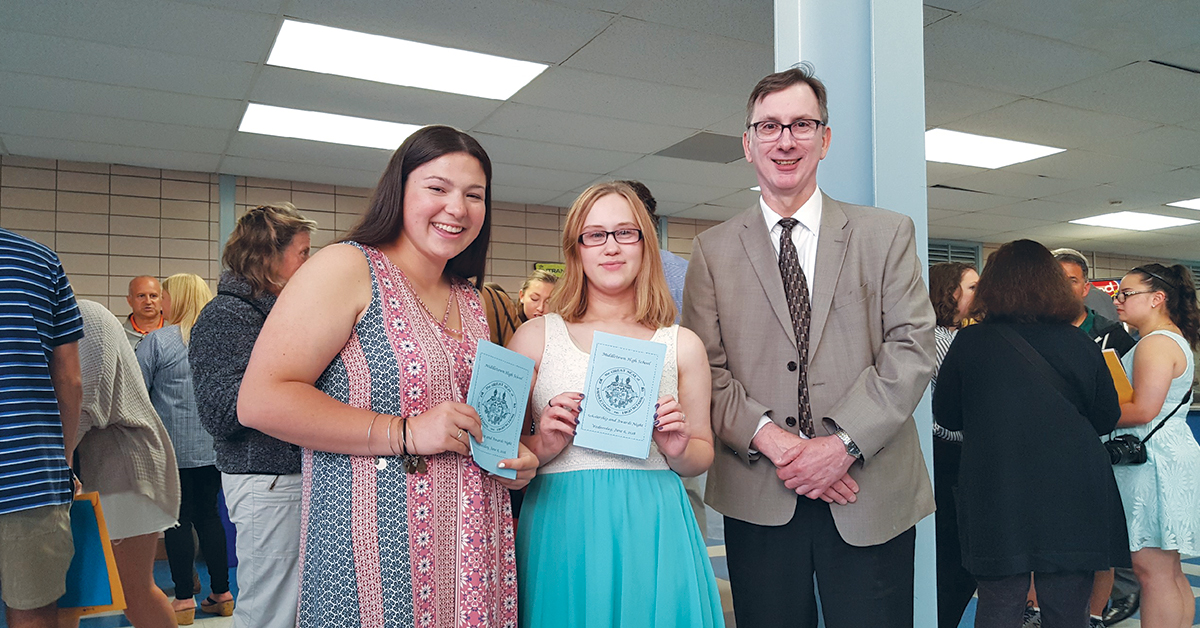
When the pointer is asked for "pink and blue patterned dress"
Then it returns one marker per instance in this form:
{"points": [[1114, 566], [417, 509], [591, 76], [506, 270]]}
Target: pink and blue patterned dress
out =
{"points": [[384, 549]]}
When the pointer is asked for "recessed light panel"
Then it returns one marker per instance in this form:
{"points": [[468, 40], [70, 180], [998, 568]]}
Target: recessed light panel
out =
{"points": [[1133, 221], [328, 50], [324, 127], [1192, 204], [966, 149]]}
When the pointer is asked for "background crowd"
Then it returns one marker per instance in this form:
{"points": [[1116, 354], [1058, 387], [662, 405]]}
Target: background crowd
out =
{"points": [[325, 400]]}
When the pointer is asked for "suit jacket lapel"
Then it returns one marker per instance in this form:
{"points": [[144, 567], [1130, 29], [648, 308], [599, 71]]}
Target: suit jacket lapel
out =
{"points": [[831, 252], [757, 242]]}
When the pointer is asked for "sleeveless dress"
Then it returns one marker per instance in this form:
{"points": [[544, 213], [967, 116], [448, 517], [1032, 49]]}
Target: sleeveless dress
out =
{"points": [[608, 540], [1162, 496], [382, 548]]}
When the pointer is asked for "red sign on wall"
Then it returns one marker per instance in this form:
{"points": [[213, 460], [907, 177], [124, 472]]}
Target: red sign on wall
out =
{"points": [[1109, 286]]}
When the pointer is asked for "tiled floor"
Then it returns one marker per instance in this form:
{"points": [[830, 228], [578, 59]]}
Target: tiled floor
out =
{"points": [[716, 552]]}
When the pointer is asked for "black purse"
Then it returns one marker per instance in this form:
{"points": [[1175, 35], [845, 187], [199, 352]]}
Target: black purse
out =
{"points": [[1125, 449]]}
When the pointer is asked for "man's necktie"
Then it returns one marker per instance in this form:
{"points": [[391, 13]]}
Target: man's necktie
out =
{"points": [[795, 286]]}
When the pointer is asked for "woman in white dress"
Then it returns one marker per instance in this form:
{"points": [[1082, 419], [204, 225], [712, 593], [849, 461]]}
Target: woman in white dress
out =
{"points": [[1162, 496]]}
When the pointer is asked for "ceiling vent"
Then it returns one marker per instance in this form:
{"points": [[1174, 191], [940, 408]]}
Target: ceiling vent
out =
{"points": [[703, 146]]}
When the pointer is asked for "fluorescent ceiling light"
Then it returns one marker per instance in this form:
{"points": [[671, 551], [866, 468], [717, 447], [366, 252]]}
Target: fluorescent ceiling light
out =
{"points": [[1133, 221], [1192, 204], [382, 59], [966, 149], [324, 127]]}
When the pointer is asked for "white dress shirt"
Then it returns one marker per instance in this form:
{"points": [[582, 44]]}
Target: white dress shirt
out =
{"points": [[804, 236]]}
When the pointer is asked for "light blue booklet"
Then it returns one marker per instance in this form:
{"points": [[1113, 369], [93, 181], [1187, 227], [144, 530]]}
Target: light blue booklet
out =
{"points": [[499, 392], [618, 401]]}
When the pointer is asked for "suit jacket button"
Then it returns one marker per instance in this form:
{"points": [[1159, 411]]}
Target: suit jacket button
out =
{"points": [[791, 421], [791, 366]]}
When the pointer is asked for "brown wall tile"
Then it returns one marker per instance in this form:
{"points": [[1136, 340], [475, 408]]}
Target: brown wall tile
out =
{"points": [[12, 176], [134, 226], [188, 229], [22, 198], [81, 243], [83, 182], [185, 190], [82, 223], [185, 210], [82, 166], [30, 162], [82, 202], [176, 266], [129, 267], [21, 220], [135, 171], [136, 186], [135, 206], [84, 263], [134, 245]]}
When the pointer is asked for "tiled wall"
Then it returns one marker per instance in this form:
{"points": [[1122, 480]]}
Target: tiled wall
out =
{"points": [[110, 223]]}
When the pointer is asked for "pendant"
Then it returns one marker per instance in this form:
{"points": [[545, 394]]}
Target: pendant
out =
{"points": [[415, 464]]}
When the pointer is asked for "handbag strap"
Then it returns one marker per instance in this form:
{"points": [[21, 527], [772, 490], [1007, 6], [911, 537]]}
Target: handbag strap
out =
{"points": [[1057, 380], [1039, 363]]}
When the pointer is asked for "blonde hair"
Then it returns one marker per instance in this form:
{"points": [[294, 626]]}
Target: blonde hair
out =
{"points": [[654, 306], [259, 240], [189, 294], [543, 276]]}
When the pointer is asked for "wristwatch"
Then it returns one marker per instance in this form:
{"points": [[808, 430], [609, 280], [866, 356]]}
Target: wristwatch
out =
{"points": [[851, 448]]}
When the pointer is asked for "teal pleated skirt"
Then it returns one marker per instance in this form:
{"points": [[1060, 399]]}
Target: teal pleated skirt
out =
{"points": [[613, 547]]}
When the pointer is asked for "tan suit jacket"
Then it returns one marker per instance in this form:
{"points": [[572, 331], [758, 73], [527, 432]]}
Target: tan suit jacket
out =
{"points": [[871, 355]]}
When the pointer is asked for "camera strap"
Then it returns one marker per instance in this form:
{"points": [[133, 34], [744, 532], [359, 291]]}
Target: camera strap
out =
{"points": [[1186, 398]]}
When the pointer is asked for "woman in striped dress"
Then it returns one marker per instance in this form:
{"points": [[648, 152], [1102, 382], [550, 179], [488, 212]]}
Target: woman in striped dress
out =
{"points": [[364, 362]]}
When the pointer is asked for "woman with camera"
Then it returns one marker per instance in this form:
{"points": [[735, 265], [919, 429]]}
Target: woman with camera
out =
{"points": [[1161, 493], [1031, 394]]}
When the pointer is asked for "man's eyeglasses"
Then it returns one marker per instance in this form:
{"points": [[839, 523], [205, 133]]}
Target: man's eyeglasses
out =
{"points": [[1125, 294], [622, 236], [770, 130]]}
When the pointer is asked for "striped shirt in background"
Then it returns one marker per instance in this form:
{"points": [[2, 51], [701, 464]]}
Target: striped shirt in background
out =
{"points": [[168, 374], [37, 314], [943, 337]]}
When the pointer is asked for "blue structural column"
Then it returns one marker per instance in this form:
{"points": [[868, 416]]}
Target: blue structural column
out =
{"points": [[870, 55]]}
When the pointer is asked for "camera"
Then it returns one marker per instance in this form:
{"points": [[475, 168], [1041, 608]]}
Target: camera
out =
{"points": [[1126, 449]]}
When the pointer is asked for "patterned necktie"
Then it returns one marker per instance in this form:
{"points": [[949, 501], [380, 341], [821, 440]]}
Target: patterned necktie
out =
{"points": [[795, 286]]}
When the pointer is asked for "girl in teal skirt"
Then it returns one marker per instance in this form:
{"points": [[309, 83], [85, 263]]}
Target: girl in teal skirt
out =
{"points": [[609, 540]]}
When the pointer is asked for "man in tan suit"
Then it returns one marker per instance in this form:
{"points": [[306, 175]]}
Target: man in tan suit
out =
{"points": [[818, 468]]}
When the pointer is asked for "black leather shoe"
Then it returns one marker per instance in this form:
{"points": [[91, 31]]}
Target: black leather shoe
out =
{"points": [[1121, 609]]}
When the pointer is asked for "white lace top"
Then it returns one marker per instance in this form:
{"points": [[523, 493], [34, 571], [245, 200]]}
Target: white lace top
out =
{"points": [[564, 369]]}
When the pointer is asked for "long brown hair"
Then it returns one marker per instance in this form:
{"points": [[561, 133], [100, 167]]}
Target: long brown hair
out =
{"points": [[654, 307], [384, 219], [944, 280], [1177, 283], [1022, 283]]}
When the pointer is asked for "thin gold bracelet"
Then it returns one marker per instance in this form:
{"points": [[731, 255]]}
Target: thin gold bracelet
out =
{"points": [[369, 428]]}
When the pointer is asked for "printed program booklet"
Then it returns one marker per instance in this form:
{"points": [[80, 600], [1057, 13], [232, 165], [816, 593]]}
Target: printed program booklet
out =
{"points": [[499, 392], [618, 400]]}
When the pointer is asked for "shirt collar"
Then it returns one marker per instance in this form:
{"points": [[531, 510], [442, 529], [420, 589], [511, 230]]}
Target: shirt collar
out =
{"points": [[809, 213]]}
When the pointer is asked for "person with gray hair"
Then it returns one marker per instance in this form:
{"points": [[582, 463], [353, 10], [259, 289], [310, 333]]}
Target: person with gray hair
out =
{"points": [[1097, 300], [1104, 330]]}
